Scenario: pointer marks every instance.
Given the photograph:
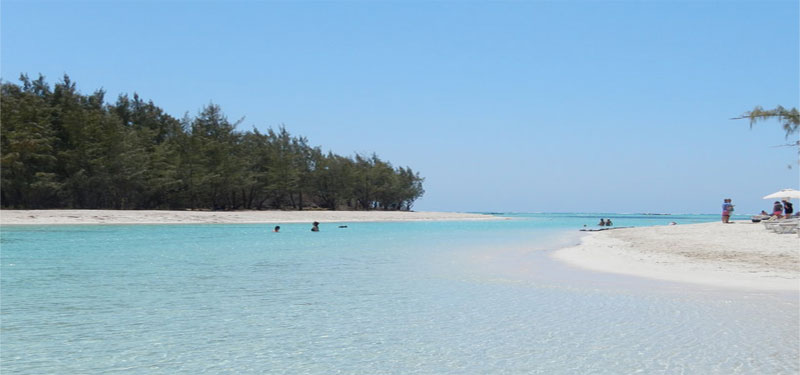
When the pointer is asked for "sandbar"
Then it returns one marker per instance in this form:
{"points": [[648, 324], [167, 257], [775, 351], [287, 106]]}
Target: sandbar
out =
{"points": [[742, 255], [57, 217]]}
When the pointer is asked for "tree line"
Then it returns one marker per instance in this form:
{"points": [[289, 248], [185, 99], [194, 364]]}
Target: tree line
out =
{"points": [[63, 149]]}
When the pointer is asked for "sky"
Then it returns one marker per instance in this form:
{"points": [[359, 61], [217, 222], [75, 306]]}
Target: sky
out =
{"points": [[511, 106]]}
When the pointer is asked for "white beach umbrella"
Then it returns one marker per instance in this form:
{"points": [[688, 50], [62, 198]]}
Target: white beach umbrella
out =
{"points": [[784, 193]]}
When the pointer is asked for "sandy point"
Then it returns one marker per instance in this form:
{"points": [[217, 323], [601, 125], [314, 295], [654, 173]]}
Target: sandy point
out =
{"points": [[56, 217], [742, 255]]}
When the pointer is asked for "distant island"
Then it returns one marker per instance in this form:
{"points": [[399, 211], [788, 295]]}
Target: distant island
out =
{"points": [[64, 149]]}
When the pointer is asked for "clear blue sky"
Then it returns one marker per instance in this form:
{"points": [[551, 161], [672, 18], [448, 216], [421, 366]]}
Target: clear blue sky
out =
{"points": [[589, 106]]}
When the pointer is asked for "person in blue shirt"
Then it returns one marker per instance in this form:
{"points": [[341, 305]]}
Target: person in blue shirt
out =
{"points": [[727, 209]]}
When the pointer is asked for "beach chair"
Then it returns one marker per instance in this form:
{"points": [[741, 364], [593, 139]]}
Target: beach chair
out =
{"points": [[768, 223], [786, 226]]}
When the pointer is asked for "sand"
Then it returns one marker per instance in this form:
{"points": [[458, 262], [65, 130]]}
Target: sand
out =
{"points": [[742, 255], [51, 217]]}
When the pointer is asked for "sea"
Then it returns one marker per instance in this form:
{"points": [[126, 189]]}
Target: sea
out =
{"points": [[446, 297]]}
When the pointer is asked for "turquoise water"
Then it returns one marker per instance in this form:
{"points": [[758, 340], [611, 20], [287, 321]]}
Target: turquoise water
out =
{"points": [[374, 298]]}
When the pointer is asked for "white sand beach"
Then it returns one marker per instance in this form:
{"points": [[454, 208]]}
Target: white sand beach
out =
{"points": [[741, 255], [50, 217]]}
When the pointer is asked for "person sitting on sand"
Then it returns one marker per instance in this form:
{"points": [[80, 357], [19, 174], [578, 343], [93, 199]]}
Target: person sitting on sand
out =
{"points": [[277, 229], [777, 209], [602, 222], [315, 226]]}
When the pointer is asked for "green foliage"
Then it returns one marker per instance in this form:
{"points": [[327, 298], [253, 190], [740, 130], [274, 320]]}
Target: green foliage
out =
{"points": [[789, 118], [62, 149]]}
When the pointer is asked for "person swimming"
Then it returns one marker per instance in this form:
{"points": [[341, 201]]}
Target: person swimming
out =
{"points": [[315, 227], [277, 229], [602, 222]]}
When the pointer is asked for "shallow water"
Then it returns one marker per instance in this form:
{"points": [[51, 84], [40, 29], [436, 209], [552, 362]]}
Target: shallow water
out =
{"points": [[425, 297]]}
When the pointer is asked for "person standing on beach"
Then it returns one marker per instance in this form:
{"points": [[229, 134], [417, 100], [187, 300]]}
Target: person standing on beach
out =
{"points": [[788, 209], [730, 210], [727, 207]]}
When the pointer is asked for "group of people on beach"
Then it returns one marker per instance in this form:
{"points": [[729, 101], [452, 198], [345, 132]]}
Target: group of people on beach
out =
{"points": [[784, 208], [781, 209]]}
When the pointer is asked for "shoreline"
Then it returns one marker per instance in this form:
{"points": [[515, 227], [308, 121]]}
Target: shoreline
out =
{"points": [[127, 217], [740, 256]]}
